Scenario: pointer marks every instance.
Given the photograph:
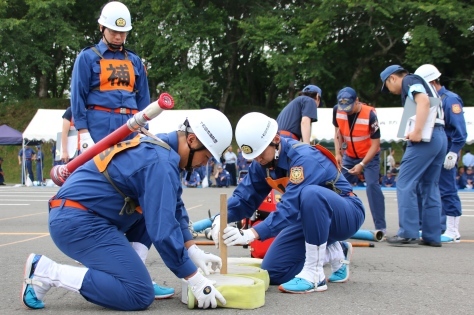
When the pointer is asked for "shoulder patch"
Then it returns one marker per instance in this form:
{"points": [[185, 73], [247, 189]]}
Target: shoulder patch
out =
{"points": [[456, 108], [296, 174]]}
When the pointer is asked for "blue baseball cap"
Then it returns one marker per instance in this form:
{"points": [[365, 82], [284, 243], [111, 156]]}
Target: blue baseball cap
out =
{"points": [[386, 73], [346, 99], [313, 89]]}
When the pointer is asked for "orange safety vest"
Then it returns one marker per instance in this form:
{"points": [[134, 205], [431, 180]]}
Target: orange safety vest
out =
{"points": [[358, 139]]}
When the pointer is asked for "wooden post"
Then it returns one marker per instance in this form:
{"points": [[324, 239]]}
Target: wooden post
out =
{"points": [[223, 222]]}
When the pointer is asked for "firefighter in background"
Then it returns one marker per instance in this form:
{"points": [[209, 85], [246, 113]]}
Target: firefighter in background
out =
{"points": [[455, 129], [359, 149], [109, 83], [316, 212]]}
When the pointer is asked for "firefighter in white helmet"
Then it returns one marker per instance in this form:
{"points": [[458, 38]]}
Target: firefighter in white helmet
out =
{"points": [[318, 208], [131, 190], [109, 83], [455, 129]]}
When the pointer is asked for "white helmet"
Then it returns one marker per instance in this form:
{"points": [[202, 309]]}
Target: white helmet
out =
{"points": [[254, 132], [213, 129], [428, 72], [116, 16]]}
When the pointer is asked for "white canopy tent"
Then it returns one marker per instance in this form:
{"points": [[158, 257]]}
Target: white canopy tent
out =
{"points": [[46, 124]]}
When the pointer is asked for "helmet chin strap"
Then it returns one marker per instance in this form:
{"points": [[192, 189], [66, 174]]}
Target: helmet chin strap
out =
{"points": [[189, 166], [273, 163], [112, 46]]}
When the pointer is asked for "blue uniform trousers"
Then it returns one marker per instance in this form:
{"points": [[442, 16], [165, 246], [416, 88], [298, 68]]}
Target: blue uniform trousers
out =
{"points": [[29, 168], [117, 277], [39, 171], [421, 165], [449, 195], [374, 191], [324, 217], [102, 123]]}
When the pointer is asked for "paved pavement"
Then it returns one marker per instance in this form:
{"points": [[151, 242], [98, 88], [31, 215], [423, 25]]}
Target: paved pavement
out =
{"points": [[384, 279]]}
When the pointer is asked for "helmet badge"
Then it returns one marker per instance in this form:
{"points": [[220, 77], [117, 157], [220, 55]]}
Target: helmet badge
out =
{"points": [[246, 149], [120, 22]]}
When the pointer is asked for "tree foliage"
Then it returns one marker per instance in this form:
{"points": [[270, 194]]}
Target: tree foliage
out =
{"points": [[243, 54]]}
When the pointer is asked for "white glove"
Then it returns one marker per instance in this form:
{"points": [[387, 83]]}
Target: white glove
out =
{"points": [[201, 259], [204, 291], [85, 141], [234, 236], [215, 229], [450, 160]]}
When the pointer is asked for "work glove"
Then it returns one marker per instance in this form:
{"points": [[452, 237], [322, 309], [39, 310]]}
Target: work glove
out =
{"points": [[201, 259], [234, 236], [215, 229], [204, 291], [450, 160], [85, 141]]}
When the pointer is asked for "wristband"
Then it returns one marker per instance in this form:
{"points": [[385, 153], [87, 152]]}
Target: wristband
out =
{"points": [[362, 163]]}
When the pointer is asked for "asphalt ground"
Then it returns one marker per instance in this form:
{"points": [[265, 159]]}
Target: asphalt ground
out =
{"points": [[384, 279]]}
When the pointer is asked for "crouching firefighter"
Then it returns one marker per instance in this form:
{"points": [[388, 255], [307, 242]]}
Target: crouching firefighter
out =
{"points": [[317, 211], [110, 210]]}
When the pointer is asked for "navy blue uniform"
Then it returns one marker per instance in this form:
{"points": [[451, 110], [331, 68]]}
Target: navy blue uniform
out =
{"points": [[308, 212], [39, 165], [29, 154], [290, 117]]}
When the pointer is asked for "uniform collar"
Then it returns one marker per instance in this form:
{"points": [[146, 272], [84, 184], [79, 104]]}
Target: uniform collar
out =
{"points": [[283, 159], [442, 91], [102, 47]]}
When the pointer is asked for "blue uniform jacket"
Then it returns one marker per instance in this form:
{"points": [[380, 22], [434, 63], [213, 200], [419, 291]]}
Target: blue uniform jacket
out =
{"points": [[149, 174], [250, 193], [85, 78], [455, 124]]}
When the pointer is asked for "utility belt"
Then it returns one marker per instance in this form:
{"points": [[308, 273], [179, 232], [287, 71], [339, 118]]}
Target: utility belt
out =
{"points": [[121, 110], [289, 134], [66, 203]]}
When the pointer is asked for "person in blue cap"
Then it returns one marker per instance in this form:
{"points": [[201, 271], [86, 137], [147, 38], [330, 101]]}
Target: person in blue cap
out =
{"points": [[421, 163], [130, 193], [296, 118], [455, 128], [317, 213], [357, 148]]}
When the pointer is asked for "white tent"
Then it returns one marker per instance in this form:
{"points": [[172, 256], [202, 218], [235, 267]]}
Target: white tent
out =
{"points": [[46, 124], [389, 118]]}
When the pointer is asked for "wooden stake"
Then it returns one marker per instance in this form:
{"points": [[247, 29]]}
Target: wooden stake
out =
{"points": [[223, 221]]}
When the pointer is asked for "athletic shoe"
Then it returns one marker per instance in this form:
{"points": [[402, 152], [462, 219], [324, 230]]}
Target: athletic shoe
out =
{"points": [[28, 295], [447, 239], [300, 285], [342, 274], [162, 292], [398, 240]]}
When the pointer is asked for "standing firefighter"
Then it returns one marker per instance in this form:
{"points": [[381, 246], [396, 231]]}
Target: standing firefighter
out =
{"points": [[359, 149], [109, 83]]}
